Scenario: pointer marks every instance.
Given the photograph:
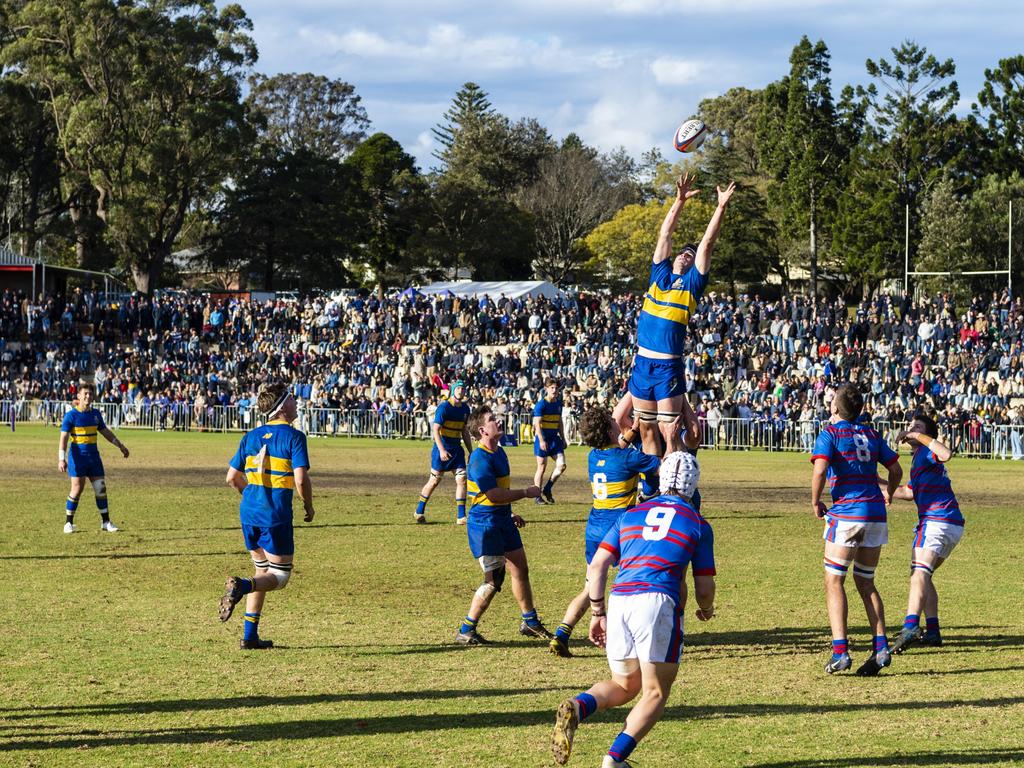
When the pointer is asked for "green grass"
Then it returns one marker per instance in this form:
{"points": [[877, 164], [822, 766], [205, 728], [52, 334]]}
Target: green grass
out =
{"points": [[111, 652]]}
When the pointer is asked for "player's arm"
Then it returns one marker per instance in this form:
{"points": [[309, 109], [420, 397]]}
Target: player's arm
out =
{"points": [[893, 484], [236, 479], [942, 452], [537, 414], [818, 476], [663, 250], [62, 451], [467, 439], [435, 430], [597, 580], [112, 439], [508, 495], [904, 492], [707, 243], [704, 589], [305, 488]]}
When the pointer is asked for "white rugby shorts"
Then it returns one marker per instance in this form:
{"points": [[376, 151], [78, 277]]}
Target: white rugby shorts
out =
{"points": [[941, 538], [646, 627], [854, 533]]}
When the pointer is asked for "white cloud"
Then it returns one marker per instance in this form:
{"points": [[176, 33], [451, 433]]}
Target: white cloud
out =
{"points": [[672, 71]]}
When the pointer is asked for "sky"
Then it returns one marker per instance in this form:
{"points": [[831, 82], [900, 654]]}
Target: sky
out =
{"points": [[616, 72]]}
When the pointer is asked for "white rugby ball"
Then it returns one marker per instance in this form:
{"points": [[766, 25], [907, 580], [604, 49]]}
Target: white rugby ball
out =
{"points": [[690, 135]]}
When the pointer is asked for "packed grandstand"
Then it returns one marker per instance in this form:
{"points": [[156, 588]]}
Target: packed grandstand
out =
{"points": [[761, 373]]}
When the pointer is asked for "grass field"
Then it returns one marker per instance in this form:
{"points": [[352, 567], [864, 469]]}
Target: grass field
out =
{"points": [[111, 652]]}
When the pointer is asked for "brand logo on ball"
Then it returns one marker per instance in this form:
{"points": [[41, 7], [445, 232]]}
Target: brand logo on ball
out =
{"points": [[690, 135]]}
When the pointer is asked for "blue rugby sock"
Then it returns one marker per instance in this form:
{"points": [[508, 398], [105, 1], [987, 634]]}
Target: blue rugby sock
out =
{"points": [[247, 585], [564, 631], [587, 705], [839, 647], [622, 747], [252, 627], [881, 643], [468, 625], [530, 617], [460, 507], [421, 507], [932, 625], [912, 621]]}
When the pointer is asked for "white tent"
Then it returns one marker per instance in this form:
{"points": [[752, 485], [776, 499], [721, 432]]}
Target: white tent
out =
{"points": [[512, 289]]}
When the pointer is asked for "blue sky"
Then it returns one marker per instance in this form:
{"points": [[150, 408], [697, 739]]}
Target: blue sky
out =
{"points": [[617, 72]]}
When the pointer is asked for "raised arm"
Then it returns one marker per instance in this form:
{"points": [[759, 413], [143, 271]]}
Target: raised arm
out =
{"points": [[942, 452], [663, 250], [707, 243]]}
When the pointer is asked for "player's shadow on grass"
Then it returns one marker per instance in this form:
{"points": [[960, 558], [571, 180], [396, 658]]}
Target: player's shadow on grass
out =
{"points": [[328, 727], [116, 555], [957, 757], [969, 671]]}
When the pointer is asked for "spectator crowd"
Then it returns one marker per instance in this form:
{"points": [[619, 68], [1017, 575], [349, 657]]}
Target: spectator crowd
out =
{"points": [[770, 365]]}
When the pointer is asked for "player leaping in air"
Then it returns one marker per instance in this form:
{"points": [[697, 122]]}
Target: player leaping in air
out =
{"points": [[493, 531], [658, 380], [446, 455], [549, 439], [643, 630], [847, 453], [79, 456], [939, 528]]}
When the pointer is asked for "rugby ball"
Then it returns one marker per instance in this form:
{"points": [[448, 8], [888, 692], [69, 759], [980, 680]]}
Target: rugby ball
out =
{"points": [[690, 135]]}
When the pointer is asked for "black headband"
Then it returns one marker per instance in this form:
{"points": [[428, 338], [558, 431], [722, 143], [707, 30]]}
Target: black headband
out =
{"points": [[278, 403]]}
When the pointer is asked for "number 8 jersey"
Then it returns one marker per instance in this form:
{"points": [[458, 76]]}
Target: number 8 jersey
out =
{"points": [[853, 452], [654, 542]]}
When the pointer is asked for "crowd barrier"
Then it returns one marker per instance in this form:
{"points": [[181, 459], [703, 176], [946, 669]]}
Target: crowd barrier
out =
{"points": [[976, 440]]}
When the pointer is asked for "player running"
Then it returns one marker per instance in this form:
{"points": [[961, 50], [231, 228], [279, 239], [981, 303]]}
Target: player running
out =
{"points": [[82, 460], [446, 455], [493, 531], [855, 527], [549, 439], [614, 476], [270, 464], [643, 629], [657, 382], [939, 529]]}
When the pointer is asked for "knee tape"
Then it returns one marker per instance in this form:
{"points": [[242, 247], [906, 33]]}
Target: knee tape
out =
{"points": [[645, 416], [492, 563], [99, 487], [837, 567], [667, 417], [436, 474], [863, 572], [282, 572], [560, 463], [624, 667], [460, 473], [260, 565], [485, 591]]}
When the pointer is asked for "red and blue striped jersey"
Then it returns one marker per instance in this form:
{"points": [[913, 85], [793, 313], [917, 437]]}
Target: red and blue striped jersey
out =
{"points": [[853, 452], [933, 493], [653, 543]]}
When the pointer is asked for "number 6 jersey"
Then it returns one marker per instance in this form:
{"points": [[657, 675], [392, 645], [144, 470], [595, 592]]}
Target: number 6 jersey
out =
{"points": [[853, 452], [654, 542]]}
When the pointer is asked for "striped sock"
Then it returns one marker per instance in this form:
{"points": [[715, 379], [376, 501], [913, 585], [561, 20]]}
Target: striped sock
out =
{"points": [[931, 624], [881, 643], [839, 647], [564, 631], [421, 507], [468, 625], [530, 617], [911, 622], [460, 508], [252, 627], [622, 747], [587, 705], [247, 585]]}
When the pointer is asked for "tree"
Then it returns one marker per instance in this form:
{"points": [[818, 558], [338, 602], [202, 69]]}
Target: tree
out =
{"points": [[394, 192], [732, 120], [470, 107], [145, 97], [307, 112], [1001, 109], [576, 191], [291, 219], [620, 249]]}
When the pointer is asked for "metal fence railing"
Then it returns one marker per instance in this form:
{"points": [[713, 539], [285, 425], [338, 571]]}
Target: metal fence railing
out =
{"points": [[974, 440]]}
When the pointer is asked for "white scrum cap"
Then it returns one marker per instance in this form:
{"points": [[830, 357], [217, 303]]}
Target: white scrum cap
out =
{"points": [[679, 471]]}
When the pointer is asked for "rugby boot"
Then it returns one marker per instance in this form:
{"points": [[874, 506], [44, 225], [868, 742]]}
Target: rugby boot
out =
{"points": [[232, 594], [905, 639], [256, 644], [567, 720], [559, 646], [471, 638], [535, 630], [839, 663], [876, 662]]}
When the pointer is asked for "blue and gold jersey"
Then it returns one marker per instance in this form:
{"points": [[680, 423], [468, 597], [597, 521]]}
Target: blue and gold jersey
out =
{"points": [[452, 419], [487, 470], [269, 455], [669, 303], [83, 428], [614, 475], [550, 414]]}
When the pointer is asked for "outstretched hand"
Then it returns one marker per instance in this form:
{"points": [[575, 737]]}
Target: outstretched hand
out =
{"points": [[725, 194], [683, 186]]}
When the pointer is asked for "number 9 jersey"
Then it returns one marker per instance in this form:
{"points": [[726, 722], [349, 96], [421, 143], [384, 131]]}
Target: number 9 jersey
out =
{"points": [[654, 542]]}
